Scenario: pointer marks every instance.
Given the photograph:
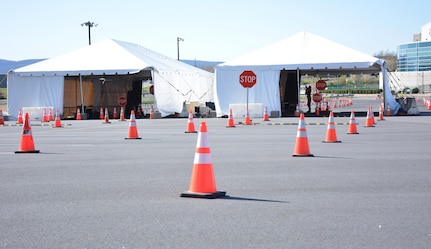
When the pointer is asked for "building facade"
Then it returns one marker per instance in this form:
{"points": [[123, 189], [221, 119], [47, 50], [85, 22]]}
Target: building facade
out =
{"points": [[414, 61]]}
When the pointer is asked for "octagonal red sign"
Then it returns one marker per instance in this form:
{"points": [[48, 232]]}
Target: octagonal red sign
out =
{"points": [[247, 79], [321, 85]]}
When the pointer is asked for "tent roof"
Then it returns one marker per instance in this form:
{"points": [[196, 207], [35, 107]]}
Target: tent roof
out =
{"points": [[309, 53], [106, 57]]}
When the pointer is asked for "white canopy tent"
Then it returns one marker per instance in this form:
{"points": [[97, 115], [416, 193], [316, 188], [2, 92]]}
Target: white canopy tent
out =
{"points": [[302, 53], [116, 62]]}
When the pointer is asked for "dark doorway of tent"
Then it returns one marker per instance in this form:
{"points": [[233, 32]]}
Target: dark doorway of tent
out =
{"points": [[102, 91], [288, 92]]}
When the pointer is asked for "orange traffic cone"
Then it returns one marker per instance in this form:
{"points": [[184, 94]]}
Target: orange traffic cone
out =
{"points": [[139, 112], [122, 114], [114, 114], [331, 134], [297, 111], [202, 183], [1, 117], [381, 118], [301, 146], [265, 115], [106, 121], [369, 121], [101, 116], [388, 111], [190, 124], [27, 143], [57, 123], [230, 121], [50, 117], [133, 130], [19, 120], [372, 114], [247, 120], [44, 117], [352, 124], [152, 112], [78, 114]]}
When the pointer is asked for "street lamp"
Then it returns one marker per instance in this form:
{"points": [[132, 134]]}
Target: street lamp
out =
{"points": [[423, 87], [89, 25], [178, 47]]}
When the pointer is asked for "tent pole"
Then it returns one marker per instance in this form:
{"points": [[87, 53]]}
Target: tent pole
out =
{"points": [[298, 86], [154, 87], [82, 97]]}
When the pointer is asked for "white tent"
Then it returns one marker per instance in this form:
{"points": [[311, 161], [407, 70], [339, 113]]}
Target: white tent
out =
{"points": [[97, 75], [302, 53]]}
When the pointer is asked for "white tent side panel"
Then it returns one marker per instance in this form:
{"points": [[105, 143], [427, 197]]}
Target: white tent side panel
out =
{"points": [[34, 91], [229, 91], [173, 88]]}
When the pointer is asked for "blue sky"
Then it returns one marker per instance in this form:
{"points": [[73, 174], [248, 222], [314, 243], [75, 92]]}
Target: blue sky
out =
{"points": [[212, 30]]}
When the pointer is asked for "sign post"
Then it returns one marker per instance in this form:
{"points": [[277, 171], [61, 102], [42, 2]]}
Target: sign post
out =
{"points": [[247, 79]]}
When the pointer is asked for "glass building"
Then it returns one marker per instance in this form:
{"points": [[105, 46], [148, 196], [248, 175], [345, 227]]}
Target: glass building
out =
{"points": [[414, 57]]}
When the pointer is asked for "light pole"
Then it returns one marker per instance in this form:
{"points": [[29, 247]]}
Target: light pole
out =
{"points": [[178, 47], [89, 25], [423, 87]]}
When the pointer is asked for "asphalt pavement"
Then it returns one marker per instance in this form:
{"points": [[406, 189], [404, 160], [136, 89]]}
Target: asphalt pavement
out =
{"points": [[91, 188]]}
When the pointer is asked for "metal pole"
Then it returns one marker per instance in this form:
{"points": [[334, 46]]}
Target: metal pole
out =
{"points": [[89, 25], [89, 35], [178, 47], [82, 97], [423, 87], [247, 102]]}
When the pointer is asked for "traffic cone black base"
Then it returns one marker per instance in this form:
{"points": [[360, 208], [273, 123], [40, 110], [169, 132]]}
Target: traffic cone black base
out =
{"points": [[26, 151], [214, 195], [309, 155]]}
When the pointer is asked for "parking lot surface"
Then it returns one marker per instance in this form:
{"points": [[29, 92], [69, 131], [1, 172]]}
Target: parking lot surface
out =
{"points": [[91, 188]]}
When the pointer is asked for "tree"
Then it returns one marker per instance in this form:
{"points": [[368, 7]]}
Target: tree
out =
{"points": [[389, 57]]}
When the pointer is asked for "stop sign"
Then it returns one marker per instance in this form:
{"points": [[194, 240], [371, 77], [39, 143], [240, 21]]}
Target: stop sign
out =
{"points": [[247, 79], [321, 85], [317, 97], [122, 101]]}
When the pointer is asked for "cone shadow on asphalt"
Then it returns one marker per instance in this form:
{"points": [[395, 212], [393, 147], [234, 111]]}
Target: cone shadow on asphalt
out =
{"points": [[235, 198]]}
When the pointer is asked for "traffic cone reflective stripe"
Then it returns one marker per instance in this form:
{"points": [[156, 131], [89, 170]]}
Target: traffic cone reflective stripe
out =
{"points": [[230, 121], [44, 116], [133, 129], [381, 118], [372, 114], [152, 112], [78, 114], [352, 124], [202, 183], [301, 146], [247, 118], [331, 134], [57, 123], [101, 116], [106, 121], [190, 124], [50, 117], [388, 111], [122, 114], [369, 121], [1, 118], [265, 115], [19, 120], [27, 143], [114, 114]]}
